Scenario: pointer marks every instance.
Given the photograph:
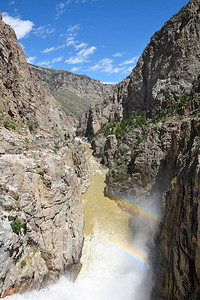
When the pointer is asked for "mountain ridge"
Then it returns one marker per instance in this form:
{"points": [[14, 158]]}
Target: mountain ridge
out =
{"points": [[75, 92]]}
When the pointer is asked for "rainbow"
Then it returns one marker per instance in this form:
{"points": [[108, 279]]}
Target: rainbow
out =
{"points": [[136, 208], [133, 253]]}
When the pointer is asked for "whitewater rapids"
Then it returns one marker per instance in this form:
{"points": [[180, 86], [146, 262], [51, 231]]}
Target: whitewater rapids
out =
{"points": [[108, 272]]}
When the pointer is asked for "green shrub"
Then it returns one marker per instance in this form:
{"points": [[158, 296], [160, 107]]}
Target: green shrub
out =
{"points": [[11, 126], [16, 226], [52, 243], [23, 263], [6, 124], [35, 249], [41, 173]]}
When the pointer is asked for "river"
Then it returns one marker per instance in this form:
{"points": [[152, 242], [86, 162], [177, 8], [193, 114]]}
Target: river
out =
{"points": [[114, 264]]}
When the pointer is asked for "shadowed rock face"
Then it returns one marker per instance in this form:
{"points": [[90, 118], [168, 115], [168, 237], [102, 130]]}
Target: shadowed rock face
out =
{"points": [[23, 99], [177, 239], [164, 72]]}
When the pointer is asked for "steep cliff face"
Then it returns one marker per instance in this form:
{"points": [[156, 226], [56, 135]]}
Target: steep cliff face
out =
{"points": [[23, 101], [41, 217], [75, 92], [158, 160], [153, 152], [177, 240], [42, 177], [168, 65], [164, 72]]}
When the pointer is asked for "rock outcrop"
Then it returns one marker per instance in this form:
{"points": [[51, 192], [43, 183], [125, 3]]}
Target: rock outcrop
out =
{"points": [[168, 66], [23, 100], [81, 166], [177, 240], [75, 92], [40, 191]]}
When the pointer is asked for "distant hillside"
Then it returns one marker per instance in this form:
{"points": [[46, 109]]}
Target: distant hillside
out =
{"points": [[76, 92]]}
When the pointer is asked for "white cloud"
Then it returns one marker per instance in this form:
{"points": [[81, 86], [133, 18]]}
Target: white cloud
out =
{"points": [[75, 43], [106, 65], [60, 8], [47, 50], [81, 56], [75, 69], [87, 51], [44, 31], [21, 28], [130, 61], [31, 59], [81, 45], [74, 60], [44, 63], [11, 3], [72, 28], [56, 59], [118, 54], [70, 42]]}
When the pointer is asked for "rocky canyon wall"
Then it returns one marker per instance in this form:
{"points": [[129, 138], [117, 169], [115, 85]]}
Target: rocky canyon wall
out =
{"points": [[152, 147], [23, 100], [76, 92], [41, 181], [165, 71], [41, 192]]}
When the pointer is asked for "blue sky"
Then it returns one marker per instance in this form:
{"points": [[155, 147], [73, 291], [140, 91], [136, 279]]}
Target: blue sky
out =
{"points": [[100, 38]]}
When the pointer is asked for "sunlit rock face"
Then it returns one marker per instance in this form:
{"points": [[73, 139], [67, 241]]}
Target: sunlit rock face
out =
{"points": [[41, 190], [76, 92], [23, 99]]}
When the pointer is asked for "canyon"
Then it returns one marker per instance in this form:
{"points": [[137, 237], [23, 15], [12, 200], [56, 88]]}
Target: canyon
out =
{"points": [[145, 131]]}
